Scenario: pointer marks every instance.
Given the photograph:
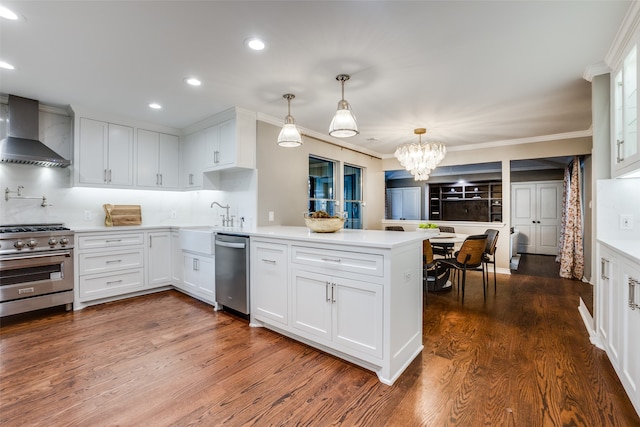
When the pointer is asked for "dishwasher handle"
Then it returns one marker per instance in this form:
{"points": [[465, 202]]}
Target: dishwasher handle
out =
{"points": [[230, 244]]}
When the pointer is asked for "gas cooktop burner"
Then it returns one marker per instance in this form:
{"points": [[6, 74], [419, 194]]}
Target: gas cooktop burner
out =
{"points": [[32, 228]]}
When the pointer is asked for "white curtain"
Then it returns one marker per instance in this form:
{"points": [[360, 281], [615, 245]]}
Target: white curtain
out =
{"points": [[571, 255]]}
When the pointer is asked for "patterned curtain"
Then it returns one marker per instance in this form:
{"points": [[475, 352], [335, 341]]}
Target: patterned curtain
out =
{"points": [[571, 249]]}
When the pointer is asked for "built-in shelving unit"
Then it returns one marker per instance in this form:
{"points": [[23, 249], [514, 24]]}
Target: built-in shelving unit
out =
{"points": [[479, 201]]}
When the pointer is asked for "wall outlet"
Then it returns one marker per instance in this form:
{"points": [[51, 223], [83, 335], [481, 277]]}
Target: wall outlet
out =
{"points": [[626, 222], [407, 276], [272, 216], [174, 214], [87, 215]]}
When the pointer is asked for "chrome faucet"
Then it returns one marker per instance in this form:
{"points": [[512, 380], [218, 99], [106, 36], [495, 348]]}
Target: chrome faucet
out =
{"points": [[227, 221]]}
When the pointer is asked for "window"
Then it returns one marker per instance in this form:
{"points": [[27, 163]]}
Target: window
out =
{"points": [[321, 185], [353, 196]]}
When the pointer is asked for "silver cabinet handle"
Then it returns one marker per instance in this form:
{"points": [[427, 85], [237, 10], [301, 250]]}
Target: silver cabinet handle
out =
{"points": [[113, 261], [331, 259], [619, 158], [114, 281], [632, 293], [160, 178], [269, 261], [190, 179], [109, 175], [113, 240], [333, 294], [150, 241], [603, 266], [104, 175], [326, 291]]}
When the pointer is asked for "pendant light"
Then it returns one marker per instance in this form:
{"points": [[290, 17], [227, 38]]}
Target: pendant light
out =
{"points": [[289, 135], [344, 123]]}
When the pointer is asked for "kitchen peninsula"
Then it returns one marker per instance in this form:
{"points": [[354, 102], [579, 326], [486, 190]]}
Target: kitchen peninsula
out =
{"points": [[356, 294]]}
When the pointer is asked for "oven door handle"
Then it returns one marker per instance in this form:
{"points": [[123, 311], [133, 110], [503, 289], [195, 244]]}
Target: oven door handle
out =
{"points": [[42, 255]]}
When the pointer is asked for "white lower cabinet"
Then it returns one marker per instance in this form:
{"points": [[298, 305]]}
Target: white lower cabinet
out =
{"points": [[109, 265], [270, 269], [618, 316], [176, 259], [199, 276], [340, 299], [342, 313], [115, 264], [630, 359], [158, 266]]}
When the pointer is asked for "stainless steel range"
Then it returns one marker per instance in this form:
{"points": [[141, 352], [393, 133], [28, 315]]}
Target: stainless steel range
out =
{"points": [[36, 267]]}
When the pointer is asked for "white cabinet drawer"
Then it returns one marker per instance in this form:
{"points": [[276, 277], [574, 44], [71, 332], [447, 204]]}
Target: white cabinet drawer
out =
{"points": [[100, 262], [355, 262], [109, 240], [107, 285]]}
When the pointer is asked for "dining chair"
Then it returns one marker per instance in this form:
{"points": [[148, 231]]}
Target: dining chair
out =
{"points": [[444, 249], [469, 257], [428, 265], [394, 228], [489, 256]]}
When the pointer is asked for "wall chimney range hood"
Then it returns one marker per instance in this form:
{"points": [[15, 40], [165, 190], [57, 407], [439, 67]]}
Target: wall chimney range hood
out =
{"points": [[22, 144]]}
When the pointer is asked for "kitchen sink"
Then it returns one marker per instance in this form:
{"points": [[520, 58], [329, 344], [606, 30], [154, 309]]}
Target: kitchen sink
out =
{"points": [[198, 239]]}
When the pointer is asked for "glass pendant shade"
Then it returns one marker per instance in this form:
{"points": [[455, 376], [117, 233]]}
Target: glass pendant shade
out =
{"points": [[289, 134], [420, 159], [344, 122]]}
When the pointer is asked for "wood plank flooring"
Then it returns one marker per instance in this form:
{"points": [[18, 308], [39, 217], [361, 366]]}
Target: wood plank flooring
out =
{"points": [[522, 358]]}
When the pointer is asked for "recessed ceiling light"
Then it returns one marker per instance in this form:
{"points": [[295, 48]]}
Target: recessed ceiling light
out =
{"points": [[193, 81], [6, 65], [155, 106], [7, 14], [255, 44]]}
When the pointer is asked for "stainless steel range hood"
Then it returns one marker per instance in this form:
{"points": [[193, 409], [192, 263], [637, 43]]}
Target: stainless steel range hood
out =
{"points": [[22, 144]]}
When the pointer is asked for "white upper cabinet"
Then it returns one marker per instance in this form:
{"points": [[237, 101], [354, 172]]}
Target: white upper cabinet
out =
{"points": [[158, 157], [230, 141], [192, 161], [104, 154], [625, 148]]}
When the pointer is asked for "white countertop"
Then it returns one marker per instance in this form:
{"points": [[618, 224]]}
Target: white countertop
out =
{"points": [[368, 238], [630, 247]]}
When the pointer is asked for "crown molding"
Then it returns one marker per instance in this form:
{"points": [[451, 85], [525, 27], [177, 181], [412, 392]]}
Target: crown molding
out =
{"points": [[595, 70], [624, 36]]}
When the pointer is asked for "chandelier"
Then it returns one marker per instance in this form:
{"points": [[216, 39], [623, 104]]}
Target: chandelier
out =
{"points": [[420, 159]]}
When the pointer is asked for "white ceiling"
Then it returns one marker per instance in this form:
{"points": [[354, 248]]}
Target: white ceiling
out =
{"points": [[469, 71]]}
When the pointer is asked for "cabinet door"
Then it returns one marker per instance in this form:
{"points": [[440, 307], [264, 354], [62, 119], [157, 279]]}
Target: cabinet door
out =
{"points": [[93, 141], [227, 144], [269, 282], [630, 369], [147, 159], [169, 161], [610, 304], [311, 304], [625, 145], [357, 315], [190, 272], [193, 160], [120, 156], [176, 259], [159, 258], [206, 278], [211, 147]]}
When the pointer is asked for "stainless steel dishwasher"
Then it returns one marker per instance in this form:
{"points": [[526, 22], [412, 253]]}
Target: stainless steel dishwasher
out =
{"points": [[232, 272]]}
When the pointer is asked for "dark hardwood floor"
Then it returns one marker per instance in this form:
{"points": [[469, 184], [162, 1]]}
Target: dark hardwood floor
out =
{"points": [[522, 358]]}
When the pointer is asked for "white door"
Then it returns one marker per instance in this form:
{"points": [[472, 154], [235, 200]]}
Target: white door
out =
{"points": [[404, 203], [311, 304], [357, 315], [269, 282], [120, 155], [159, 258], [169, 160], [537, 215]]}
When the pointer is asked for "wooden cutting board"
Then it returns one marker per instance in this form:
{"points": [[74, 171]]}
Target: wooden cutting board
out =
{"points": [[122, 215]]}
